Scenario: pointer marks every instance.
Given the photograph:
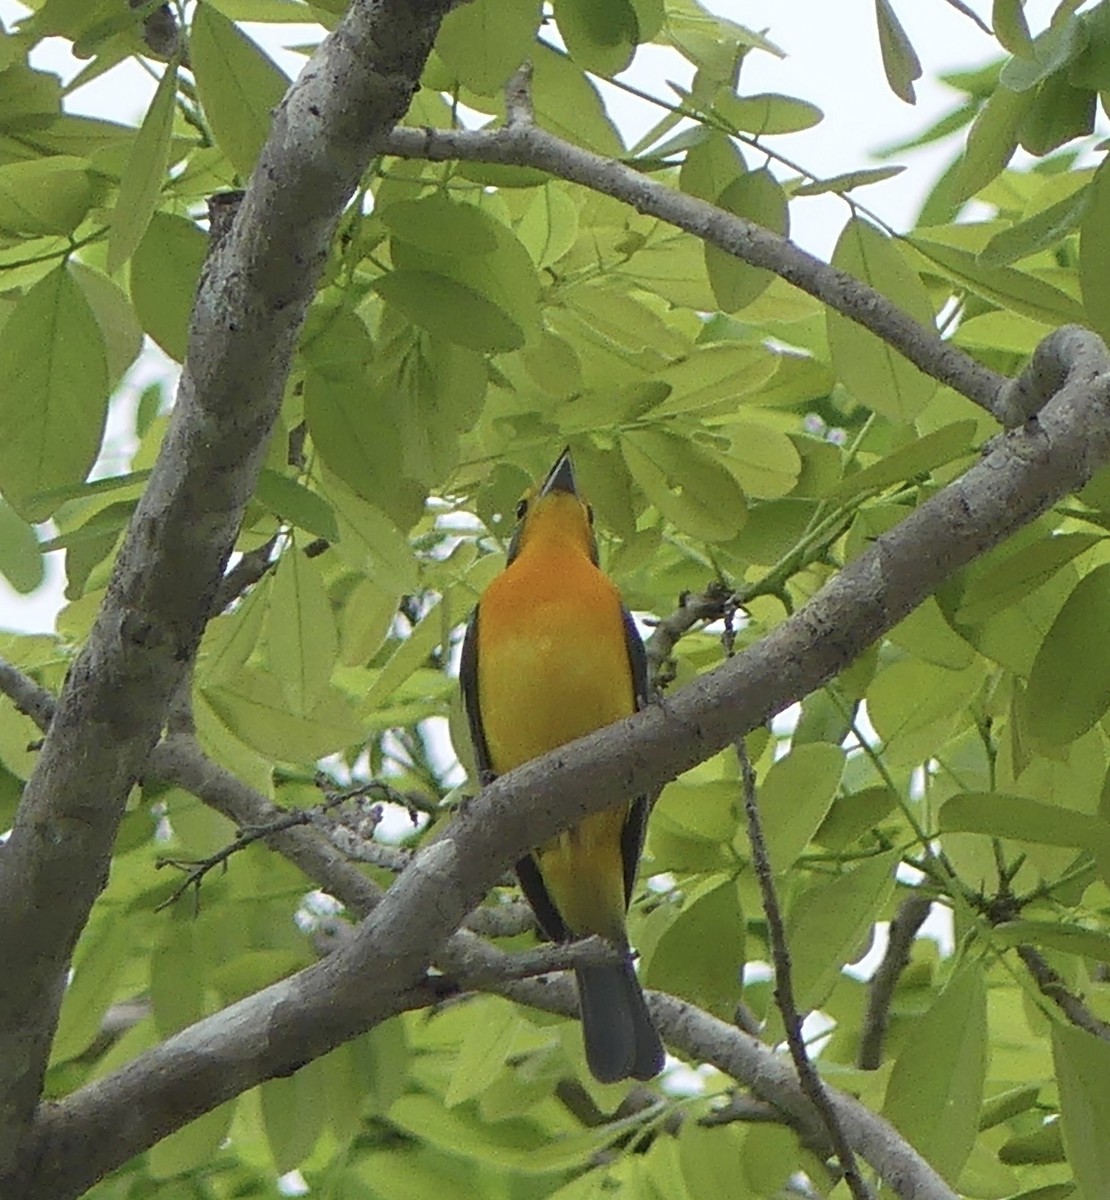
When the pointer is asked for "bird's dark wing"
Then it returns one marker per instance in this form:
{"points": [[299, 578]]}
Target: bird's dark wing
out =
{"points": [[468, 681], [635, 828], [537, 895], [637, 658]]}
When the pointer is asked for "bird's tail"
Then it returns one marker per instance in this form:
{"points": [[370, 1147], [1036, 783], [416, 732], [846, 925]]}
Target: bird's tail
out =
{"points": [[620, 1038]]}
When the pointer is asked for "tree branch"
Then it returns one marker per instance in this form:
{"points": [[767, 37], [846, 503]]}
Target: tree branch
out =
{"points": [[253, 294], [784, 987], [1056, 990], [1025, 472], [523, 144], [880, 991]]}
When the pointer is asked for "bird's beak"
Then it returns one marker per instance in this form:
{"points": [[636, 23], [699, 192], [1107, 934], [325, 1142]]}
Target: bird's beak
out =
{"points": [[561, 476]]}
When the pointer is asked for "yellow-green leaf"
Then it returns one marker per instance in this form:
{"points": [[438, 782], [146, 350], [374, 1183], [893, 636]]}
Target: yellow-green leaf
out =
{"points": [[55, 396], [1082, 1068], [1069, 687], [239, 85], [144, 174], [936, 1086], [303, 642], [872, 370]]}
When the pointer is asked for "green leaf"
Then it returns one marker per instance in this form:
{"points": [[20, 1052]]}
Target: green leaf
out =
{"points": [[356, 435], [1022, 819], [1005, 583], [936, 1086], [295, 1111], [827, 923], [1094, 253], [1008, 1104], [1006, 286], [1091, 68], [451, 310], [369, 541], [795, 796], [549, 227], [900, 61], [55, 396], [442, 226], [293, 502], [252, 706], [920, 457], [239, 86], [1011, 27], [685, 483], [1069, 687], [45, 195], [504, 276], [20, 555], [709, 1159], [230, 638], [1068, 938], [764, 460], [568, 105], [927, 635], [141, 183], [101, 958], [1058, 114], [368, 615], [1053, 49], [767, 113], [1039, 232], [1082, 1067], [484, 42], [192, 1146], [165, 269], [303, 641], [711, 916], [991, 141], [177, 976], [484, 1049], [757, 196], [848, 182], [601, 35], [710, 165], [876, 374], [852, 816], [409, 657], [119, 326]]}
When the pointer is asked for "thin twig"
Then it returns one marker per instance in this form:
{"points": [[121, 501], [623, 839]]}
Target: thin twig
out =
{"points": [[1056, 990], [784, 987], [518, 97], [196, 869], [250, 568], [694, 608], [903, 929]]}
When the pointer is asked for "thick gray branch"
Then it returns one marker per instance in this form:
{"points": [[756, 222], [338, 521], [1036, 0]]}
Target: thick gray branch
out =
{"points": [[521, 144], [249, 310], [1025, 472]]}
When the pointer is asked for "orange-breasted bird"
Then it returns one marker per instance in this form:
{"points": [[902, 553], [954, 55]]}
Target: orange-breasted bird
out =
{"points": [[550, 655]]}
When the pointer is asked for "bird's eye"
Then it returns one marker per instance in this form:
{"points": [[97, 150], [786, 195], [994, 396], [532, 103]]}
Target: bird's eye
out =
{"points": [[590, 513], [521, 509]]}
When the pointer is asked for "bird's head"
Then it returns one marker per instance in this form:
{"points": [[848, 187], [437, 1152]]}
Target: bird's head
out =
{"points": [[554, 514]]}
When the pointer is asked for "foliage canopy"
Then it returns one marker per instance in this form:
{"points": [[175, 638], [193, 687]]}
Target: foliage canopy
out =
{"points": [[729, 430]]}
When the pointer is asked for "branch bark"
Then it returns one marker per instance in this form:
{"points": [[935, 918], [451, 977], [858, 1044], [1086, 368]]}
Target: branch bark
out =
{"points": [[1027, 470], [250, 306]]}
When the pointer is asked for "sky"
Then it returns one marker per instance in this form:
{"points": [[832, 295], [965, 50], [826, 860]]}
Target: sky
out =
{"points": [[831, 59]]}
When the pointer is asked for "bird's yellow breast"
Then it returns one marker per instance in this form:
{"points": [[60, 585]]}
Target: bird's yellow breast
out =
{"points": [[553, 661]]}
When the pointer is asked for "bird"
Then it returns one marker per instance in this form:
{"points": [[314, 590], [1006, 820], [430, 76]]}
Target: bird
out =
{"points": [[551, 654]]}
